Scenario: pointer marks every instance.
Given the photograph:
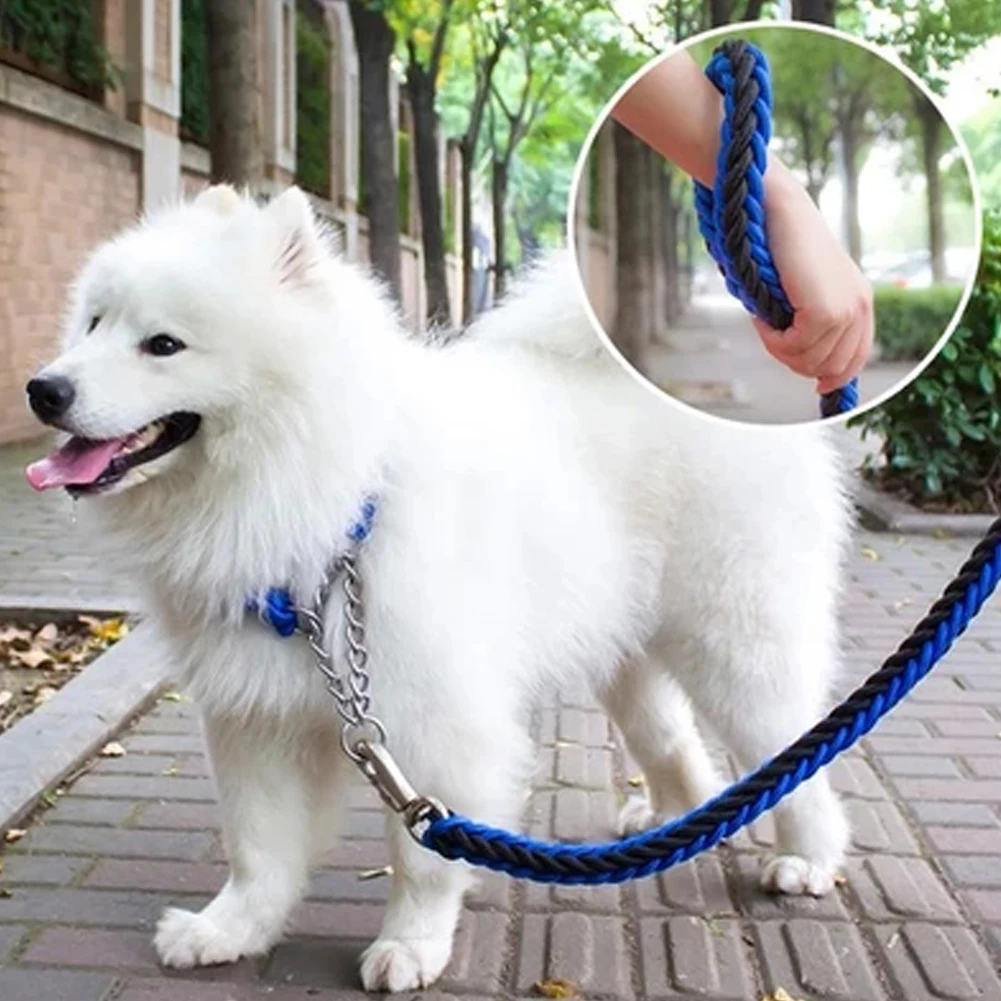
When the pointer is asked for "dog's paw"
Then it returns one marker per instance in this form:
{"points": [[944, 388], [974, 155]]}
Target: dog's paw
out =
{"points": [[391, 965], [636, 815], [797, 877], [185, 939]]}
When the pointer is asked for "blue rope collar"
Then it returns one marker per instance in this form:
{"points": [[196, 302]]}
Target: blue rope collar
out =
{"points": [[731, 214], [277, 608]]}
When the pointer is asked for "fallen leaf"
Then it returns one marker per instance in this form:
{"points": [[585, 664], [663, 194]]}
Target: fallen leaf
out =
{"points": [[174, 697], [44, 694], [113, 750], [555, 988], [5, 894], [48, 633], [169, 772], [34, 656], [5, 696], [869, 554], [14, 834], [12, 634], [781, 994], [840, 880], [109, 630], [636, 781], [386, 870], [942, 533], [50, 798]]}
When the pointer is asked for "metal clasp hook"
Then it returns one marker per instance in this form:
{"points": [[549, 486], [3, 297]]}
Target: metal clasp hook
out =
{"points": [[378, 766]]}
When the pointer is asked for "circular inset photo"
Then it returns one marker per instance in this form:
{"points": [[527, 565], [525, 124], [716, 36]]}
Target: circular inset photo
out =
{"points": [[775, 224]]}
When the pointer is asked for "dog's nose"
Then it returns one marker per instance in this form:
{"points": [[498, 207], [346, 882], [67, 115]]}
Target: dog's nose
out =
{"points": [[50, 397]]}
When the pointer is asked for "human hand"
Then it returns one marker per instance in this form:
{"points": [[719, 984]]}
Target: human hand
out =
{"points": [[831, 336]]}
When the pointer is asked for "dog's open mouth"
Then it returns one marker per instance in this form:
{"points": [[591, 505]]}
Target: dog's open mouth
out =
{"points": [[85, 466]]}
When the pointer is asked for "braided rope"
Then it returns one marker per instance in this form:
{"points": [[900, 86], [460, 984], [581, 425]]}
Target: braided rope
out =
{"points": [[731, 214], [457, 837]]}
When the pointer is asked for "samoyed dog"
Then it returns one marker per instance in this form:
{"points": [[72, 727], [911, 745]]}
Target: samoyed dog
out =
{"points": [[233, 390]]}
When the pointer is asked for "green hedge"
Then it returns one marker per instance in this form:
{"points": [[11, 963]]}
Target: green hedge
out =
{"points": [[942, 434], [61, 35], [194, 73], [910, 321], [312, 100]]}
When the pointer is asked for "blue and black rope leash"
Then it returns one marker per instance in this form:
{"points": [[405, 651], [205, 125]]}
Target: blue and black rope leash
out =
{"points": [[457, 837], [734, 225], [731, 213]]}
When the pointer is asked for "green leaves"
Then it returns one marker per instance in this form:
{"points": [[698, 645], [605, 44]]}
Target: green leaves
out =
{"points": [[59, 34], [942, 434], [911, 320]]}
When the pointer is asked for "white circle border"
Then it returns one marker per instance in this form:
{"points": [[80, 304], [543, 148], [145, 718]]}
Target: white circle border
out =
{"points": [[729, 29]]}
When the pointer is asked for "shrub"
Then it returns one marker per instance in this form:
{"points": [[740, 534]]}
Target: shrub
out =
{"points": [[194, 73], [61, 36], [910, 321], [942, 434], [312, 99]]}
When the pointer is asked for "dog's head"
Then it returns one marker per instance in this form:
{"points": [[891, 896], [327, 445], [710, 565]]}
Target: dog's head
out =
{"points": [[173, 326]]}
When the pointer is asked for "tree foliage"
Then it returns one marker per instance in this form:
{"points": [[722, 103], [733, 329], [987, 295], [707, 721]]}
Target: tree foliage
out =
{"points": [[941, 436]]}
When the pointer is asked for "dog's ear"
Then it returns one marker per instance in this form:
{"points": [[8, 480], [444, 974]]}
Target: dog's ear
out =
{"points": [[296, 240], [221, 198]]}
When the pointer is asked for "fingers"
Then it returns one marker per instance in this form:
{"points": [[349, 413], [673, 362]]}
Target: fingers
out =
{"points": [[830, 348]]}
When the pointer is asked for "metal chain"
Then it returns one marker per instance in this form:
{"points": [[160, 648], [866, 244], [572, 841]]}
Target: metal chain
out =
{"points": [[363, 737], [351, 692]]}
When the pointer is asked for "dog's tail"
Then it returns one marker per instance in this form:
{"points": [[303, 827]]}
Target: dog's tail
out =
{"points": [[543, 310]]}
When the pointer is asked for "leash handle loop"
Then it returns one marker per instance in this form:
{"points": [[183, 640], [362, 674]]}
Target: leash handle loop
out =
{"points": [[731, 213]]}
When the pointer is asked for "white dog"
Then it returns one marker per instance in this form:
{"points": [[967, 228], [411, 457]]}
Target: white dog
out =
{"points": [[233, 390]]}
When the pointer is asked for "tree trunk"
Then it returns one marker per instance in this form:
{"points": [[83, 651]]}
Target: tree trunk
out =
{"points": [[235, 145], [688, 238], [850, 151], [672, 265], [657, 253], [375, 41], [631, 330], [467, 149], [466, 184], [815, 11], [499, 186], [720, 12], [421, 88], [931, 153]]}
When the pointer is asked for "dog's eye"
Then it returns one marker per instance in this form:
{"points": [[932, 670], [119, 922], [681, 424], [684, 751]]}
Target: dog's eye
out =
{"points": [[94, 321], [162, 345]]}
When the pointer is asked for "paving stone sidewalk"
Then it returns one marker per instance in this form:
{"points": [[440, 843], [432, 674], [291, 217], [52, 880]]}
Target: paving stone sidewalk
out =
{"points": [[918, 918], [716, 363]]}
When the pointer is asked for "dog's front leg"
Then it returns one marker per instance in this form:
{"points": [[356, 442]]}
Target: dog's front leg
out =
{"points": [[415, 943], [271, 785]]}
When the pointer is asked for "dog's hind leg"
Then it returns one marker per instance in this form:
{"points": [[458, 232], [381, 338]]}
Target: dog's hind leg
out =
{"points": [[658, 726], [272, 784], [759, 693]]}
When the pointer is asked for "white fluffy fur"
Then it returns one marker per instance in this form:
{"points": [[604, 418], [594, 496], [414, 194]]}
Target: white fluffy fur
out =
{"points": [[542, 518]]}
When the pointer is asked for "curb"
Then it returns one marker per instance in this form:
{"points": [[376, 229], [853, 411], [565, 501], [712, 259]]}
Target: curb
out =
{"points": [[883, 513], [42, 749]]}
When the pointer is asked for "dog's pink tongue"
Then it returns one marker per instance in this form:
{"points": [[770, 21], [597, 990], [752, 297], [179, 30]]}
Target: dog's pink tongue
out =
{"points": [[76, 463]]}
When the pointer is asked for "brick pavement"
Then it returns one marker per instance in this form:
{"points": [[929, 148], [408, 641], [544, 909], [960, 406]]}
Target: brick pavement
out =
{"points": [[919, 917], [46, 559]]}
